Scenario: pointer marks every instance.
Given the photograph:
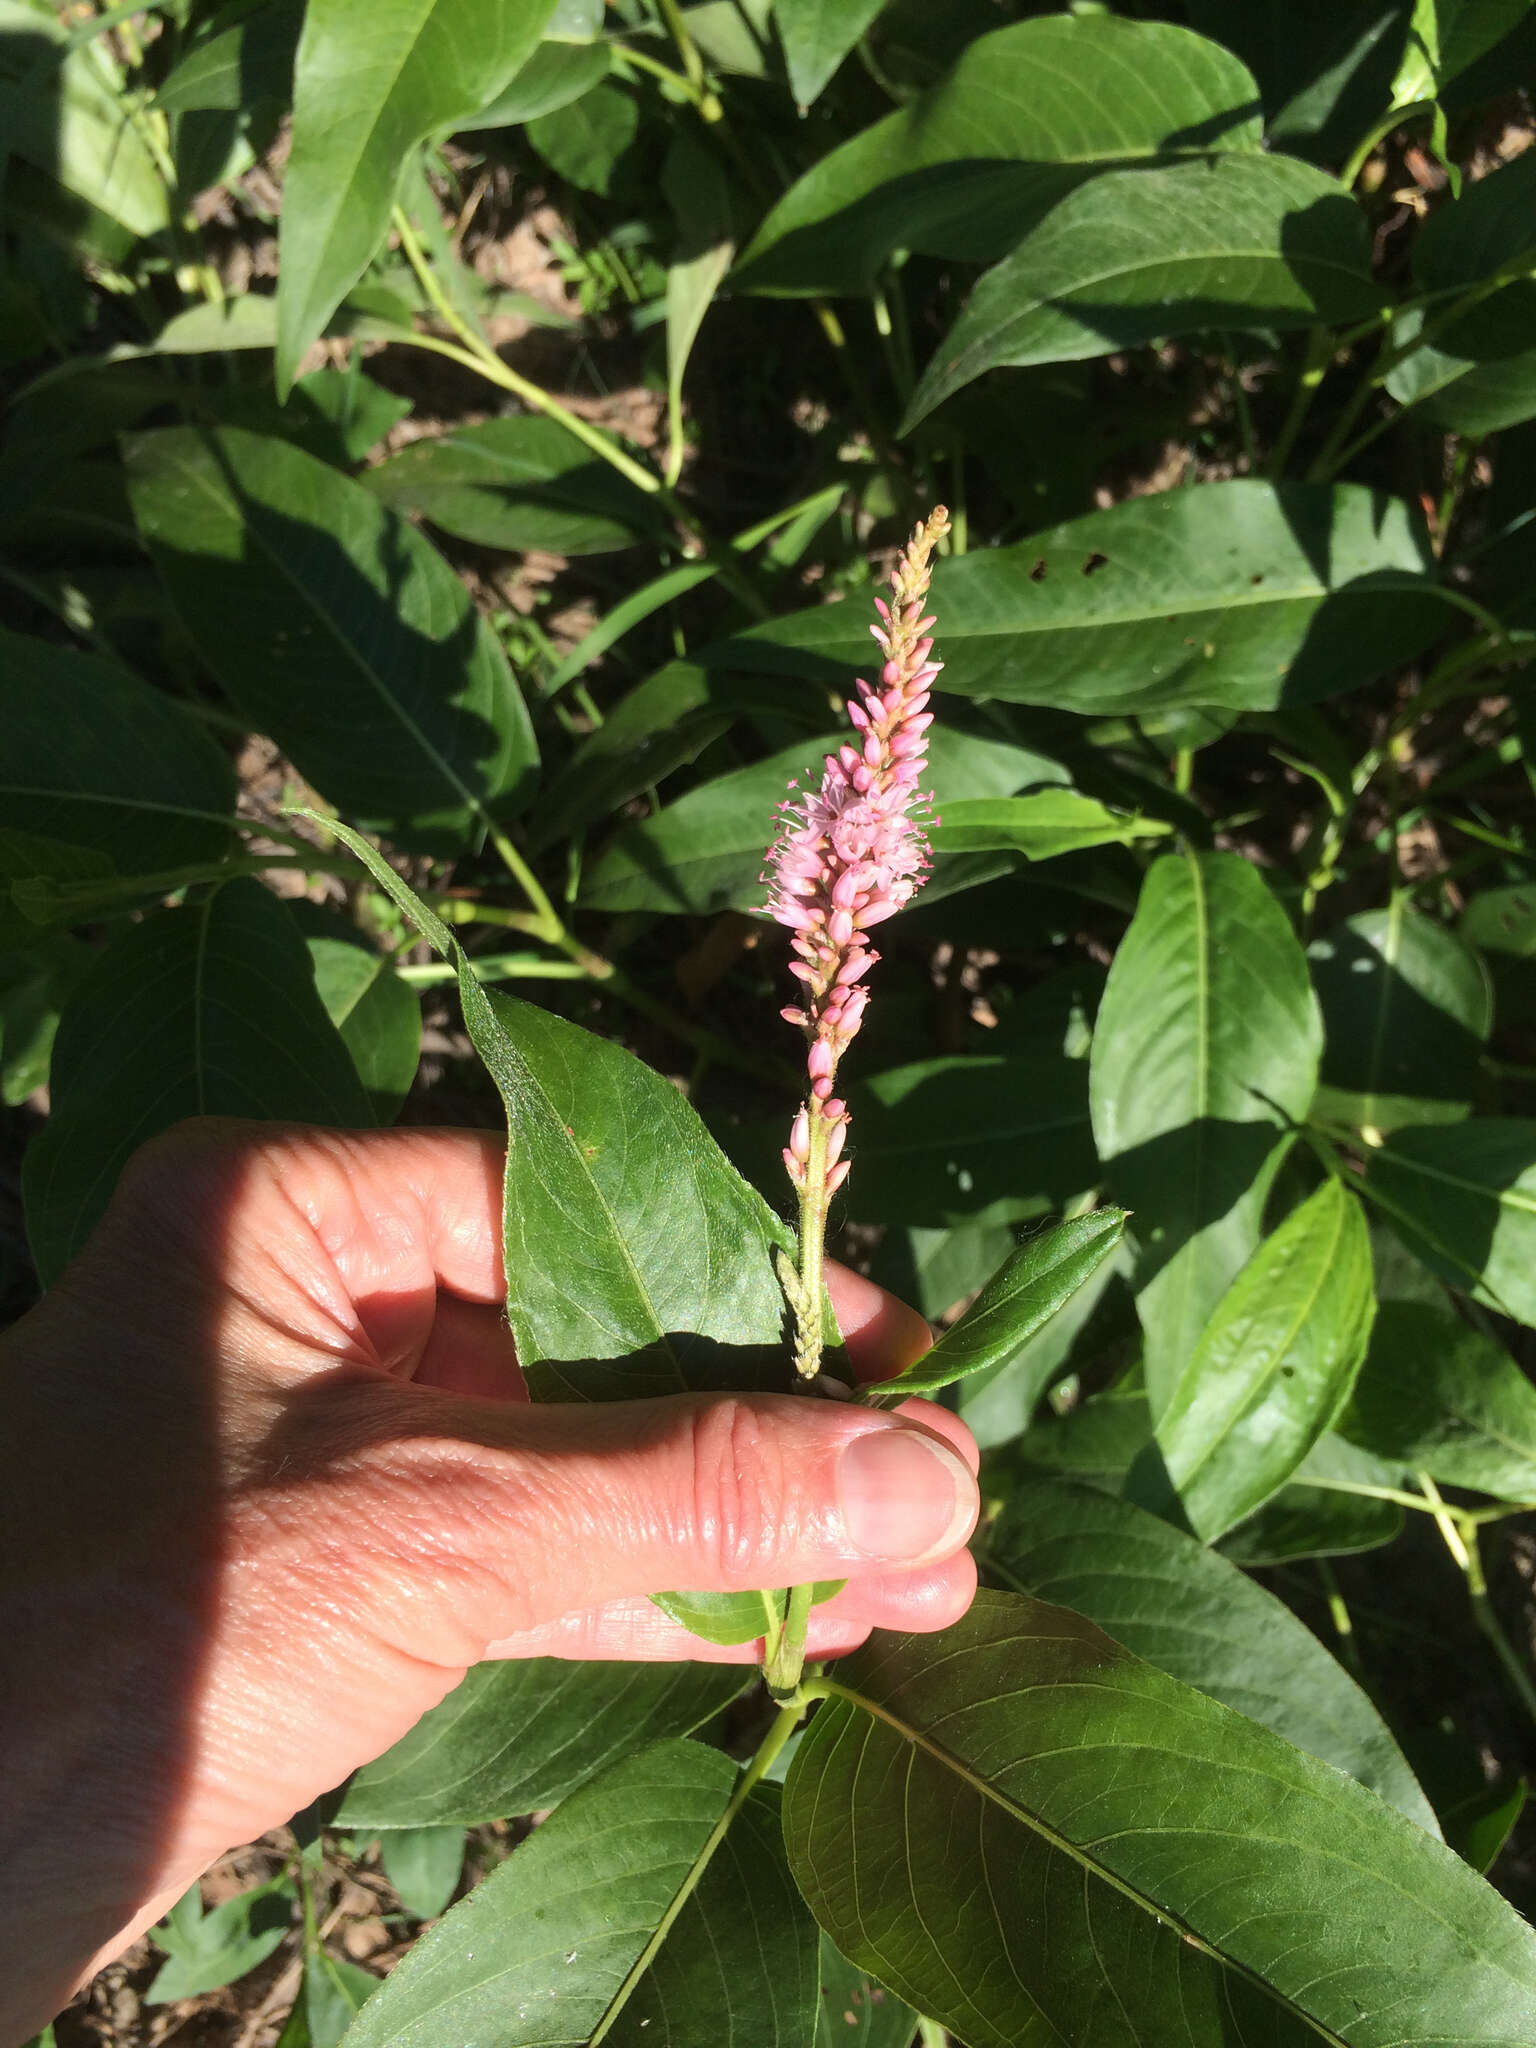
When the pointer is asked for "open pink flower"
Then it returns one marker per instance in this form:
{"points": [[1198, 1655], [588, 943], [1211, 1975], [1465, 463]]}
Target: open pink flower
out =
{"points": [[849, 854]]}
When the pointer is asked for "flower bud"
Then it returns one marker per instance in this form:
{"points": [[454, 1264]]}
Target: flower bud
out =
{"points": [[800, 1136], [838, 1175]]}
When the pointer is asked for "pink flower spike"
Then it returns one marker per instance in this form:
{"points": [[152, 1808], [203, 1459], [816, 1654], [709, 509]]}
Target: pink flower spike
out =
{"points": [[847, 856]]}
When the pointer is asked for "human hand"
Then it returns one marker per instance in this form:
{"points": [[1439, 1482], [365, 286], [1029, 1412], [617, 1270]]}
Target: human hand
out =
{"points": [[269, 1484]]}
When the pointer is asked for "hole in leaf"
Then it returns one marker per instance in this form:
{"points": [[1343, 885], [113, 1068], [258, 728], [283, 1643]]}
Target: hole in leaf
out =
{"points": [[1094, 564], [1037, 574]]}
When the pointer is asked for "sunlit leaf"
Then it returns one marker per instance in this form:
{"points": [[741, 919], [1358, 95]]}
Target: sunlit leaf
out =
{"points": [[1207, 1037], [1274, 1365], [1232, 242], [1026, 114]]}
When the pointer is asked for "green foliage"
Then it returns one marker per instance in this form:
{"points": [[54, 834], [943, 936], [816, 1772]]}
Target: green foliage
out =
{"points": [[488, 581]]}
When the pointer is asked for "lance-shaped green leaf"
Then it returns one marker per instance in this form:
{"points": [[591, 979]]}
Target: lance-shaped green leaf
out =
{"points": [[377, 1014], [515, 483], [1240, 241], [705, 852], [817, 35], [239, 67], [80, 163], [517, 1737], [1274, 1365], [1192, 1614], [1502, 921], [1119, 1859], [1241, 595], [370, 83], [1026, 114], [1334, 1505], [553, 76], [1474, 370], [730, 1618], [1407, 1008], [699, 195], [1462, 1197], [91, 756], [336, 628], [638, 1259], [1207, 1036], [1050, 822], [210, 1010], [625, 1918], [1019, 1300], [424, 1866], [207, 1950], [944, 1140], [1439, 1396]]}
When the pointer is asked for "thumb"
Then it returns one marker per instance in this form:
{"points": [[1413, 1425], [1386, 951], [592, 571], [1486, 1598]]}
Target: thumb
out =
{"points": [[518, 1515]]}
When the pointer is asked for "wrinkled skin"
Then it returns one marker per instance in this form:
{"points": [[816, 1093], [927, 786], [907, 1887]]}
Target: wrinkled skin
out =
{"points": [[269, 1484]]}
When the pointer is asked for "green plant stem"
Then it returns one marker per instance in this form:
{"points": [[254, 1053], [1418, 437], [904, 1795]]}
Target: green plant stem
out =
{"points": [[1375, 135], [495, 967], [687, 49], [473, 352], [1461, 1540], [482, 357], [1339, 1615], [784, 1725], [813, 1234], [1320, 347], [784, 1656]]}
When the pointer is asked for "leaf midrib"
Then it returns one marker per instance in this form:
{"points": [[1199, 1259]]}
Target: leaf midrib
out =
{"points": [[350, 654], [1038, 1825], [1322, 1273]]}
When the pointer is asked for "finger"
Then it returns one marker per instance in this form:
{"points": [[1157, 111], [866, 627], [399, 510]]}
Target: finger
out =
{"points": [[490, 1519], [918, 1603], [882, 1334], [637, 1632], [470, 1351]]}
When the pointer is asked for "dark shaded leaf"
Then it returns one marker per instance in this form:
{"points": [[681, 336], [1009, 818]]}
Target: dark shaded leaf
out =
{"points": [[92, 756], [566, 1937], [1406, 1012], [968, 1782], [210, 1010], [515, 483], [517, 1737], [1192, 1614], [335, 628], [1017, 1302], [1443, 1398], [1463, 1198]]}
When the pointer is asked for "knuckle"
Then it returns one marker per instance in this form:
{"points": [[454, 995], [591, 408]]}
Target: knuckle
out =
{"points": [[739, 1486]]}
